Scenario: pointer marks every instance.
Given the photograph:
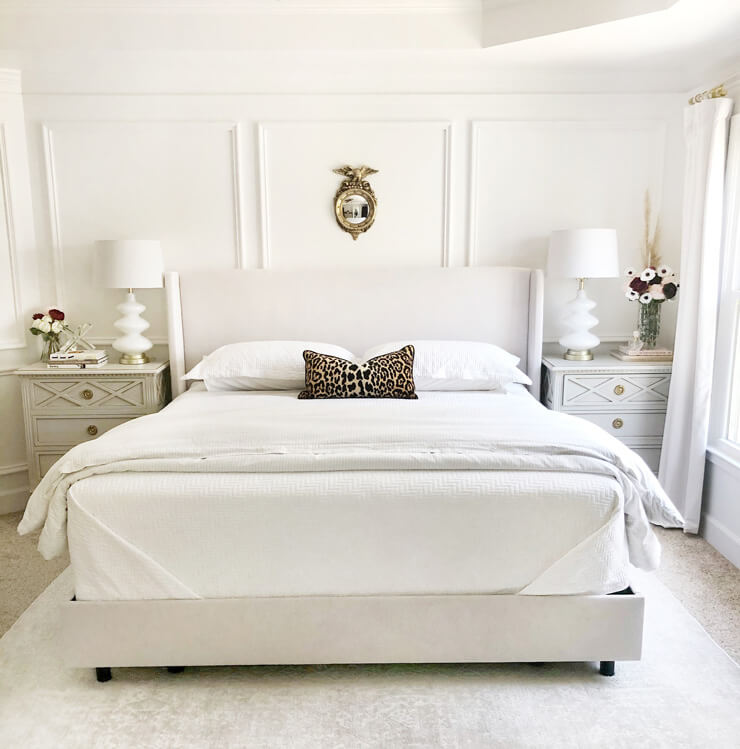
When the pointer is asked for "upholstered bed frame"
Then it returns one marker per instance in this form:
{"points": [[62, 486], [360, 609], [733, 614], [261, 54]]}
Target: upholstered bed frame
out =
{"points": [[356, 309]]}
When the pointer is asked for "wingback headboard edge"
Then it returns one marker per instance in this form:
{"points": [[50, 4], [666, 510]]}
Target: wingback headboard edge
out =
{"points": [[354, 308]]}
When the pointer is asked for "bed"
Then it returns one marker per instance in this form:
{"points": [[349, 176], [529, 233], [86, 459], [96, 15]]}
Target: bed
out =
{"points": [[461, 534]]}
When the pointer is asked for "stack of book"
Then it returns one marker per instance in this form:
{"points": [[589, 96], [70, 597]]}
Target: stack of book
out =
{"points": [[90, 359], [623, 353]]}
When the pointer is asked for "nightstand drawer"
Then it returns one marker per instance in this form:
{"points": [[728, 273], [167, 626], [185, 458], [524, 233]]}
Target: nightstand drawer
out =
{"points": [[45, 461], [651, 455], [628, 424], [71, 431], [110, 393], [608, 391]]}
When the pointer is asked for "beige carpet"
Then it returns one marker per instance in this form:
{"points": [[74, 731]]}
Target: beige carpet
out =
{"points": [[684, 693], [24, 573], [706, 583]]}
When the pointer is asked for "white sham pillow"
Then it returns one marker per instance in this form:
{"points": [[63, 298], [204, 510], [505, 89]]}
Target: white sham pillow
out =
{"points": [[458, 365], [260, 365]]}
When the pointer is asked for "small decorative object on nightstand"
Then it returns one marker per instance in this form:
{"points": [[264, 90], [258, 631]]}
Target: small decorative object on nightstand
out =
{"points": [[651, 285], [627, 399], [64, 407]]}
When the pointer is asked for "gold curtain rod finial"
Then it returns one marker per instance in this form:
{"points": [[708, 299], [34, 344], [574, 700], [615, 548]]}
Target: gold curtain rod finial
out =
{"points": [[713, 93]]}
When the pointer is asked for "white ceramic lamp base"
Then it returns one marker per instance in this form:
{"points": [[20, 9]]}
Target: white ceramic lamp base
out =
{"points": [[578, 320], [132, 344]]}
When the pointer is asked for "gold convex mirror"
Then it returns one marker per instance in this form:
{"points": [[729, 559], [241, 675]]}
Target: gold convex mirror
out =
{"points": [[355, 203]]}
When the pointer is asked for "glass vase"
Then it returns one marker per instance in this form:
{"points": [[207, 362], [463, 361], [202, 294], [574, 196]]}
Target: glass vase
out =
{"points": [[649, 324], [51, 346]]}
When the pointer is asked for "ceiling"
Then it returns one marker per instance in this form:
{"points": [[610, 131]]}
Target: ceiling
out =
{"points": [[687, 38]]}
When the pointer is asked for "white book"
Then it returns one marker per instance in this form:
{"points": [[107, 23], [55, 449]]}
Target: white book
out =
{"points": [[88, 355], [77, 365]]}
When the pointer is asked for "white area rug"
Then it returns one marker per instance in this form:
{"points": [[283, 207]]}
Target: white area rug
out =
{"points": [[684, 693]]}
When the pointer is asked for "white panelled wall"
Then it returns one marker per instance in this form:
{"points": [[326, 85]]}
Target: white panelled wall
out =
{"points": [[18, 288], [245, 180]]}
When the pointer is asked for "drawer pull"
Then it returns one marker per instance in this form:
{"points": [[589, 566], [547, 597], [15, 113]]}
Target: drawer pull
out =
{"points": [[619, 389], [87, 394], [617, 423], [92, 430]]}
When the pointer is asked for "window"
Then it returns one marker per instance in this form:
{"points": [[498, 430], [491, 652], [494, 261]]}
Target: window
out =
{"points": [[733, 425], [725, 427]]}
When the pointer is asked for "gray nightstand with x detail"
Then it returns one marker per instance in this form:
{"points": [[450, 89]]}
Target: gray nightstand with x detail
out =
{"points": [[63, 407], [627, 399]]}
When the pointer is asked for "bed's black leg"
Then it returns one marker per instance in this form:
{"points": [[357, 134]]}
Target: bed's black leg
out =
{"points": [[103, 674], [175, 669], [606, 668]]}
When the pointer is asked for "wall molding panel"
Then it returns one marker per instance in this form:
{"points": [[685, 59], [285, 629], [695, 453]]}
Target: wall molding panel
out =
{"points": [[19, 340], [528, 177], [179, 180], [49, 130], [605, 127], [372, 136], [57, 251], [265, 260], [237, 176], [12, 468]]}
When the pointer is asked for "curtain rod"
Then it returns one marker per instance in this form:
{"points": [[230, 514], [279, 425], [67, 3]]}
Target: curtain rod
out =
{"points": [[713, 93]]}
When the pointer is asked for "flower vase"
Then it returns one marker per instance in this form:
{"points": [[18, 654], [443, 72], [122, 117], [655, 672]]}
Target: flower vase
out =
{"points": [[649, 324], [51, 346]]}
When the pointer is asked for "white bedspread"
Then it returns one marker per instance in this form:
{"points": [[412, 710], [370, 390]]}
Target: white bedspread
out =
{"points": [[276, 433], [138, 536]]}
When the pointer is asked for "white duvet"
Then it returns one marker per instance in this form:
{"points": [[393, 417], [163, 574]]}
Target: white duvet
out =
{"points": [[276, 433]]}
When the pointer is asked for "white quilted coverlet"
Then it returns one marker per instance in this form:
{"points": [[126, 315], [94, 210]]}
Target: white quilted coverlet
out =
{"points": [[230, 535], [257, 433]]}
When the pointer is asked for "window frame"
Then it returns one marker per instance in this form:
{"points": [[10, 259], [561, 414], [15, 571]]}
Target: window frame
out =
{"points": [[725, 410]]}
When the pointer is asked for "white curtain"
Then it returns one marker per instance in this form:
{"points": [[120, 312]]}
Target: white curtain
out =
{"points": [[687, 422]]}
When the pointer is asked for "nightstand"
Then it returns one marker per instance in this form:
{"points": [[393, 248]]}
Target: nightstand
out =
{"points": [[63, 407], [627, 399]]}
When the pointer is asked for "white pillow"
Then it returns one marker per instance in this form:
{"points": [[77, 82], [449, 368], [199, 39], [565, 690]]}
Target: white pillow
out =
{"points": [[260, 365], [458, 365]]}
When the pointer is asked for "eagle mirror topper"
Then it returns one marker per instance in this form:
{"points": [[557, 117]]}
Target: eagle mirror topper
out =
{"points": [[355, 203]]}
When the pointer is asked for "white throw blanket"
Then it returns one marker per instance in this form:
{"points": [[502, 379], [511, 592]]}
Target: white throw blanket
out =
{"points": [[275, 432]]}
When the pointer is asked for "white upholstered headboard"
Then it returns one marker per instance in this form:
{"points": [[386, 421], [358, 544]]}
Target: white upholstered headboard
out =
{"points": [[356, 309]]}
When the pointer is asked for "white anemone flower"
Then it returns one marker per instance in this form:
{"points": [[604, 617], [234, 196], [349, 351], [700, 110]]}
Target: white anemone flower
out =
{"points": [[44, 326], [47, 318], [630, 272], [35, 324], [56, 327], [632, 295], [664, 271], [647, 275], [646, 298], [656, 291]]}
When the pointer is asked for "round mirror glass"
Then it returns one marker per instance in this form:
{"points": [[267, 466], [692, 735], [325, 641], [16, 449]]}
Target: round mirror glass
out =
{"points": [[355, 209]]}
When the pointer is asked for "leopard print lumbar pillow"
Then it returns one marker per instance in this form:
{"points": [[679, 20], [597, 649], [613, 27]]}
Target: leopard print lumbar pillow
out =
{"points": [[386, 376]]}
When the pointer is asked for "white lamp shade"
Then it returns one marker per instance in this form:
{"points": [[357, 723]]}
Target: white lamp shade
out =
{"points": [[583, 253], [129, 263]]}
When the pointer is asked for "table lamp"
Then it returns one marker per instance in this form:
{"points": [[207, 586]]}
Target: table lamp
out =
{"points": [[130, 264], [582, 254]]}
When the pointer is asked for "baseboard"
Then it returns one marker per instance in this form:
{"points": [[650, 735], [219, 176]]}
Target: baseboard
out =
{"points": [[13, 500], [722, 538]]}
